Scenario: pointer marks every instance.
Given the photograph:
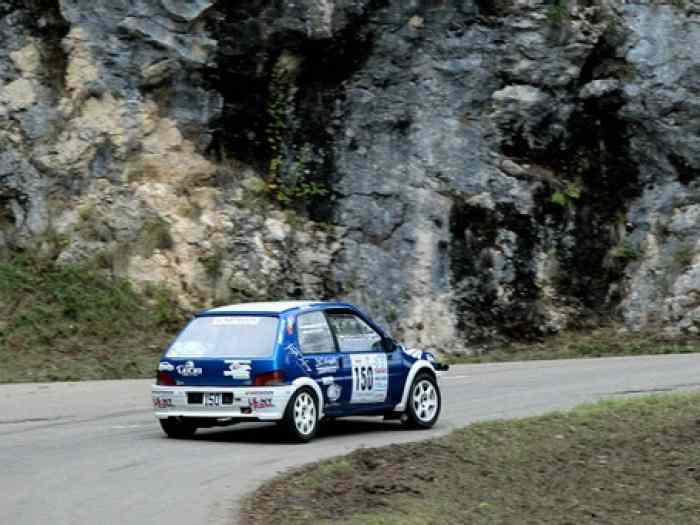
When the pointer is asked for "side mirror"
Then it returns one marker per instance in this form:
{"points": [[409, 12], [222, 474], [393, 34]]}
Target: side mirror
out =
{"points": [[390, 345]]}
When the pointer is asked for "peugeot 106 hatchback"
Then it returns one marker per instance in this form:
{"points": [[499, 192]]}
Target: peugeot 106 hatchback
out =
{"points": [[294, 363]]}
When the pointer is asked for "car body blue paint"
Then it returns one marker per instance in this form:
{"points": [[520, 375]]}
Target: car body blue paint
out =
{"points": [[327, 368]]}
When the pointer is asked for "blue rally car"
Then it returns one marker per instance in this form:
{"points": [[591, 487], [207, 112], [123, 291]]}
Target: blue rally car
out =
{"points": [[294, 363]]}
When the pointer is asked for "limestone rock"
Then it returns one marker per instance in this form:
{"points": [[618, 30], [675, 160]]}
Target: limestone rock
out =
{"points": [[468, 173]]}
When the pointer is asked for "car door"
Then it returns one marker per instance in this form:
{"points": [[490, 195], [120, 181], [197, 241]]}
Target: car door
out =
{"points": [[320, 356], [365, 374]]}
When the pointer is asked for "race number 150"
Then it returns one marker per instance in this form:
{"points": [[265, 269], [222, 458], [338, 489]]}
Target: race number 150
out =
{"points": [[363, 378]]}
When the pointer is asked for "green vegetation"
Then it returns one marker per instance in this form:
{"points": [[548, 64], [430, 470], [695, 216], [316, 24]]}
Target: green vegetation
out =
{"points": [[683, 258], [607, 341], [293, 185], [86, 211], [572, 192], [558, 11], [288, 194], [155, 235], [391, 314], [625, 461], [54, 242], [622, 255], [559, 198], [73, 322], [680, 4], [277, 108], [212, 263]]}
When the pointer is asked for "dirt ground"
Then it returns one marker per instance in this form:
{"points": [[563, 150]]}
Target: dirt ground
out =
{"points": [[634, 461]]}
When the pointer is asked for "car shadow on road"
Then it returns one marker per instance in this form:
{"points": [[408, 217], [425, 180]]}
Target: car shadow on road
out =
{"points": [[270, 434]]}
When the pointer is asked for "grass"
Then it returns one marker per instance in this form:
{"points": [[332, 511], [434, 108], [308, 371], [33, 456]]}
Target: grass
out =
{"points": [[73, 322], [626, 461], [606, 341]]}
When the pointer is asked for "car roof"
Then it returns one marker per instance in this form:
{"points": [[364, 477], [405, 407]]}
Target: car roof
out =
{"points": [[281, 307], [275, 307]]}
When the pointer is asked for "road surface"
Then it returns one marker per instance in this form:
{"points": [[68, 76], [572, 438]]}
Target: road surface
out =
{"points": [[92, 453]]}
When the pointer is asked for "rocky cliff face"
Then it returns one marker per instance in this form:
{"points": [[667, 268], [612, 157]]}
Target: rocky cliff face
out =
{"points": [[468, 170]]}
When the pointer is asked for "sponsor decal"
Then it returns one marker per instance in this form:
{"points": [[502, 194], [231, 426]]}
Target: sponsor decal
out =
{"points": [[234, 321], [412, 352], [415, 353], [326, 365], [188, 369], [333, 392], [290, 325], [255, 393], [370, 380], [296, 356], [162, 402], [259, 403], [238, 369], [164, 366]]}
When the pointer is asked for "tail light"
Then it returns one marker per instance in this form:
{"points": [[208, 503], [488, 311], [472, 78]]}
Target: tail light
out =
{"points": [[165, 379], [275, 378]]}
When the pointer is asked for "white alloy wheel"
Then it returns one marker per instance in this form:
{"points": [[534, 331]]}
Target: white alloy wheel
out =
{"points": [[425, 400], [305, 414]]}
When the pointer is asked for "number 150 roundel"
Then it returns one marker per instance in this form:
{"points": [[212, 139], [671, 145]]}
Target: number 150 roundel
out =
{"points": [[293, 362], [370, 378]]}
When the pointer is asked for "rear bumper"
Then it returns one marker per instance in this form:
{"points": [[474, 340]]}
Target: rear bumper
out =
{"points": [[247, 403]]}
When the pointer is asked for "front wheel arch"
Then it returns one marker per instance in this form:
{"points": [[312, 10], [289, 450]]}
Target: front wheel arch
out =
{"points": [[423, 413], [417, 367]]}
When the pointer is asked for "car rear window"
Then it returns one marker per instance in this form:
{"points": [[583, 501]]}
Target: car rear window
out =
{"points": [[226, 336]]}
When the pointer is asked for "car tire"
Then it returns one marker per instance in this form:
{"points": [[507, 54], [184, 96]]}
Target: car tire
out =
{"points": [[424, 402], [178, 428], [300, 422]]}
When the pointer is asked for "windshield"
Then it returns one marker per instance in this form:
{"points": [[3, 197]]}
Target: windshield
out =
{"points": [[226, 336]]}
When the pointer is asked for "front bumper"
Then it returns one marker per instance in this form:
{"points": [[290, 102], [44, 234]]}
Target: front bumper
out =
{"points": [[246, 403]]}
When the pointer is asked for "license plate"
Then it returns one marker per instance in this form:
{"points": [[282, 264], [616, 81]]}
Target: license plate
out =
{"points": [[213, 400]]}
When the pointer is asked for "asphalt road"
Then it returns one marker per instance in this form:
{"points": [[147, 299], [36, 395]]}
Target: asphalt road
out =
{"points": [[92, 453]]}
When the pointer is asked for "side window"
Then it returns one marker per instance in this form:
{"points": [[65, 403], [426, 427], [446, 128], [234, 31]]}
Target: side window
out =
{"points": [[314, 334], [354, 335]]}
